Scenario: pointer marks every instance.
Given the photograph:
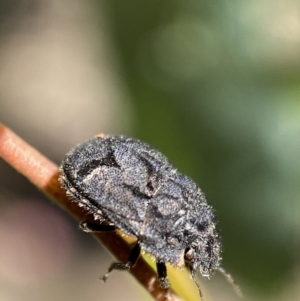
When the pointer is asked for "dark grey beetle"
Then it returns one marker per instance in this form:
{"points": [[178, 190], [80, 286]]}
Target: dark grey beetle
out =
{"points": [[128, 185]]}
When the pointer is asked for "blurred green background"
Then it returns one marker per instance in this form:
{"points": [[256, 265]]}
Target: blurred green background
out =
{"points": [[214, 85]]}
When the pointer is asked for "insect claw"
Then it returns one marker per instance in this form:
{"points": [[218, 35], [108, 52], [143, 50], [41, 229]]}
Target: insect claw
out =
{"points": [[104, 278]]}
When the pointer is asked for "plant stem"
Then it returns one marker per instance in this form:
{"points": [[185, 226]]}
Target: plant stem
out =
{"points": [[43, 173]]}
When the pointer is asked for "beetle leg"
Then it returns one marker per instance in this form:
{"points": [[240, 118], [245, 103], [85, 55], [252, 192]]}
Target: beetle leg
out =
{"points": [[196, 281], [162, 275], [132, 259], [87, 226]]}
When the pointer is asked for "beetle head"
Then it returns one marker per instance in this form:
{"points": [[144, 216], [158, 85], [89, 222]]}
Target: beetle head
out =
{"points": [[204, 255]]}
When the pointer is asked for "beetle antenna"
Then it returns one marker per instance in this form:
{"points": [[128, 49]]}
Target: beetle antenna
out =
{"points": [[196, 282], [230, 279]]}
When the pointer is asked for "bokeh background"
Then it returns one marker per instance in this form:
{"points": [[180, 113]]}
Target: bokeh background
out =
{"points": [[214, 85]]}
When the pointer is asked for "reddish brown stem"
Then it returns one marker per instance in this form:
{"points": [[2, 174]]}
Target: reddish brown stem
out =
{"points": [[44, 174]]}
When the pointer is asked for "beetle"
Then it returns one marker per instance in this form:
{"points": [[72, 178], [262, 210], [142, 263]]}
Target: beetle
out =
{"points": [[128, 185]]}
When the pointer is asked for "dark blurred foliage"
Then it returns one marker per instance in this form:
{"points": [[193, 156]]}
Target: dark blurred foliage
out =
{"points": [[18, 9]]}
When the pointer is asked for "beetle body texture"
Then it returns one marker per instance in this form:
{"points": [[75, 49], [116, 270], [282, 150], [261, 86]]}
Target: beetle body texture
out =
{"points": [[133, 186]]}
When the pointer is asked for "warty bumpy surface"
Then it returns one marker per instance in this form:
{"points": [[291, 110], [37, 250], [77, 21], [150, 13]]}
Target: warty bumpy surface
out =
{"points": [[128, 183]]}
